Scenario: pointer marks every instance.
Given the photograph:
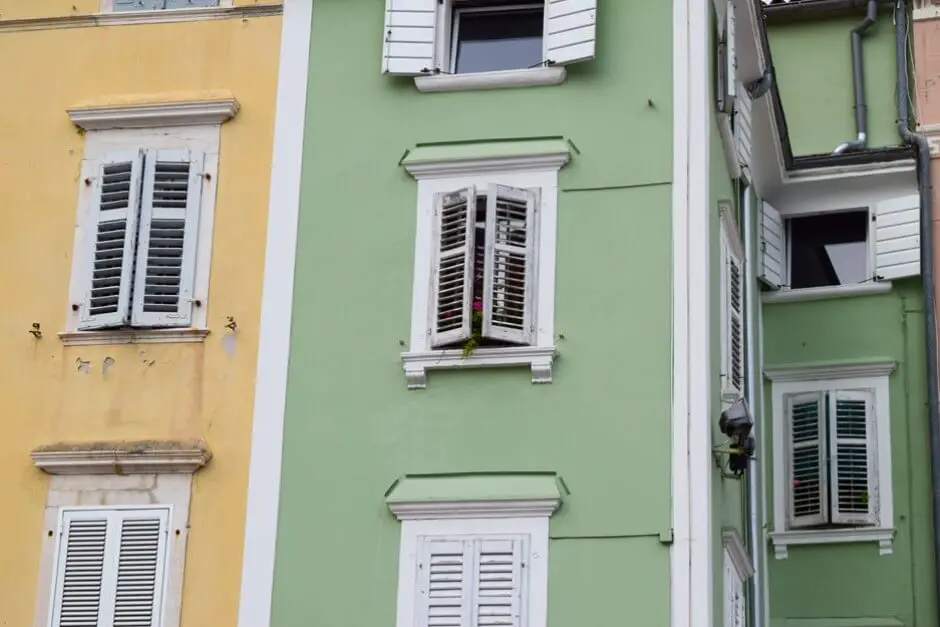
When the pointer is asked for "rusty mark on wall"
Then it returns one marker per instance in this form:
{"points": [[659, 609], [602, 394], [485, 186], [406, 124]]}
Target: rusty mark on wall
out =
{"points": [[83, 366]]}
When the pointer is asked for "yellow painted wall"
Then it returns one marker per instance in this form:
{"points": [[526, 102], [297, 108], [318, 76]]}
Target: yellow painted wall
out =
{"points": [[152, 390], [19, 9]]}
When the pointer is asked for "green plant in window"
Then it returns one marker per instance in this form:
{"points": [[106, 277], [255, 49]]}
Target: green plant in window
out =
{"points": [[476, 329]]}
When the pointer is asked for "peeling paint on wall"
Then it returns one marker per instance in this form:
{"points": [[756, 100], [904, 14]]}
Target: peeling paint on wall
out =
{"points": [[106, 364], [83, 366]]}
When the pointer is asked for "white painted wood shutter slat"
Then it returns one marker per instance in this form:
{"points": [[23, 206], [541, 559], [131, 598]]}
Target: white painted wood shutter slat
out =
{"points": [[452, 259], [851, 457], [110, 241], [190, 4], [731, 56], [735, 319], [742, 126], [570, 31], [140, 566], [166, 251], [806, 460], [137, 5], [897, 238], [410, 37], [509, 273], [497, 598], [79, 572], [771, 247], [444, 583]]}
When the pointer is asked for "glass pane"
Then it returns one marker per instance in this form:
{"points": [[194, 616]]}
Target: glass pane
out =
{"points": [[830, 249], [507, 39]]}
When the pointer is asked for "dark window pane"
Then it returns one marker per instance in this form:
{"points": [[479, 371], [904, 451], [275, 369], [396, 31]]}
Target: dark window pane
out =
{"points": [[830, 249], [507, 39]]}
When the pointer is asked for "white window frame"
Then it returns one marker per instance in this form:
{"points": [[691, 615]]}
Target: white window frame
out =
{"points": [[476, 520], [107, 6], [737, 569], [731, 248], [522, 172], [160, 479], [98, 145], [868, 375], [452, 28]]}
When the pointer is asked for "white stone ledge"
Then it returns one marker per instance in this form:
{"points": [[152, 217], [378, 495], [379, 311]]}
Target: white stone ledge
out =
{"points": [[826, 293], [539, 358], [883, 536], [121, 458], [530, 77], [133, 336]]}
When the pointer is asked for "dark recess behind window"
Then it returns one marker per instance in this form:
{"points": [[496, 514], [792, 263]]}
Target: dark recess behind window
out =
{"points": [[830, 249], [504, 38]]}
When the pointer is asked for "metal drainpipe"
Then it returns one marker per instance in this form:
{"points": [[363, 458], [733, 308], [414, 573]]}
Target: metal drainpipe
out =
{"points": [[925, 187], [858, 81], [754, 527]]}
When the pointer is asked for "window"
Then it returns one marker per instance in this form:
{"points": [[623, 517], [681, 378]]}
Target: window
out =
{"points": [[110, 566], [734, 600], [841, 248], [832, 456], [430, 37], [155, 5], [144, 233], [484, 269], [732, 306]]}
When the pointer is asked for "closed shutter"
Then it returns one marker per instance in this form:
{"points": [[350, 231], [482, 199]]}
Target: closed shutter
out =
{"points": [[166, 252], [444, 583], [508, 280], [452, 275], [110, 241], [110, 568], [732, 55], [807, 461], [771, 247], [410, 37], [851, 457], [570, 31], [497, 598], [735, 321], [897, 238]]}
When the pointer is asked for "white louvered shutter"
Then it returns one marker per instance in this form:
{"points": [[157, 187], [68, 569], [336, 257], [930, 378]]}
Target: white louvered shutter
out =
{"points": [[190, 4], [742, 127], [137, 5], [508, 277], [732, 55], [410, 37], [570, 31], [771, 247], [807, 460], [110, 241], [852, 457], [444, 583], [141, 561], [897, 238], [497, 597], [80, 566], [734, 286], [452, 271], [169, 230]]}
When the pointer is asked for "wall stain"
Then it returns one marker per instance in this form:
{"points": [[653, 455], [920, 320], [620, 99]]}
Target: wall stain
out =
{"points": [[106, 365], [83, 366]]}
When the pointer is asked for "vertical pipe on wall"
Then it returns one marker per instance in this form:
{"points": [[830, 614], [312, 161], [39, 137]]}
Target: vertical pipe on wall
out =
{"points": [[752, 495], [858, 82]]}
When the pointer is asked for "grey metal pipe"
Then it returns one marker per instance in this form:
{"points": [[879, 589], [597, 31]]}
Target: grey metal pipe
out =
{"points": [[754, 478], [858, 82], [925, 187]]}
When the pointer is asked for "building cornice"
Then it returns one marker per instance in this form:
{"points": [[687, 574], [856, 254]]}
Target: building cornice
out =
{"points": [[833, 370], [88, 20], [438, 510], [150, 457], [162, 114]]}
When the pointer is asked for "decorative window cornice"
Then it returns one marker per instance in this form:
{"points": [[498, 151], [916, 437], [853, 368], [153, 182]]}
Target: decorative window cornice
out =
{"points": [[833, 370], [150, 115], [738, 552], [438, 510], [121, 458], [469, 167]]}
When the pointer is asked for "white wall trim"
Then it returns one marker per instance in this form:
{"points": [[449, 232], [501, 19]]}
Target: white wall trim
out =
{"points": [[691, 572], [202, 138], [536, 583], [439, 510], [830, 371], [734, 545], [267, 430], [187, 113], [530, 77], [475, 167], [107, 6], [827, 292], [141, 17], [121, 460], [420, 356], [874, 376]]}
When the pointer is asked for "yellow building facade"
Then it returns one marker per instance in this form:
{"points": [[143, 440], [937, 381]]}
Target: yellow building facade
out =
{"points": [[135, 157]]}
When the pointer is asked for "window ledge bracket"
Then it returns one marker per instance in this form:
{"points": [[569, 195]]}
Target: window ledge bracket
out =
{"points": [[529, 77], [825, 293], [133, 336], [782, 540], [539, 358]]}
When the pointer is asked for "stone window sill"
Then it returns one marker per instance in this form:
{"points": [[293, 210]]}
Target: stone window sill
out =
{"points": [[539, 358], [531, 77], [826, 293], [884, 536], [133, 336]]}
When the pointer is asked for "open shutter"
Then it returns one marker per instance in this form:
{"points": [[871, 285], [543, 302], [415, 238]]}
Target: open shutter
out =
{"points": [[508, 278], [897, 238], [80, 566], [410, 37], [140, 566], [110, 241], [742, 126], [444, 583], [735, 320], [497, 598], [807, 460], [851, 457], [452, 276], [166, 250], [570, 31], [771, 247]]}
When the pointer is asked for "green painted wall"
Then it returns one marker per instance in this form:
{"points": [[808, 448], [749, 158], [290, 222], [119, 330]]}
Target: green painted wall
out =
{"points": [[854, 580], [603, 425], [813, 63]]}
